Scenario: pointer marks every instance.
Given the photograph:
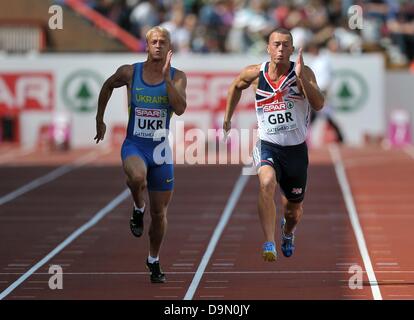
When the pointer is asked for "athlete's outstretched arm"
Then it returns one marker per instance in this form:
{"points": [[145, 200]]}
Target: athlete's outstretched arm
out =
{"points": [[175, 87], [243, 81], [308, 84], [119, 79]]}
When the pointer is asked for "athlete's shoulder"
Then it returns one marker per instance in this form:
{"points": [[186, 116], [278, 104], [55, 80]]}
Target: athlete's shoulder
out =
{"points": [[179, 73], [253, 68], [125, 71], [309, 73], [126, 68], [250, 72], [308, 69], [180, 77]]}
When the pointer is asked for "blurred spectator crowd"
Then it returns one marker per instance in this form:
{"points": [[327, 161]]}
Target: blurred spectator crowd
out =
{"points": [[242, 26]]}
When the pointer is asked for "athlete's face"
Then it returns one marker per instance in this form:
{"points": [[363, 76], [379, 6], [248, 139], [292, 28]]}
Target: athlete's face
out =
{"points": [[158, 45], [280, 47]]}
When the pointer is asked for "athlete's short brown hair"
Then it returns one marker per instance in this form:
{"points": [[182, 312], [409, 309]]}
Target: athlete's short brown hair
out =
{"points": [[281, 31]]}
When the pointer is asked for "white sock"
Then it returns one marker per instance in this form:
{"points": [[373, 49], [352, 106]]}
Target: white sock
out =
{"points": [[152, 260], [139, 209]]}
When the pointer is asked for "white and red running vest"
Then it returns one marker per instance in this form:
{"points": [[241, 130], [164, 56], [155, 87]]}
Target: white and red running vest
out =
{"points": [[282, 111]]}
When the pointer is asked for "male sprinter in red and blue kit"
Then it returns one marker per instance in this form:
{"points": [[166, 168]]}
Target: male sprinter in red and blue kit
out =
{"points": [[285, 92], [155, 91]]}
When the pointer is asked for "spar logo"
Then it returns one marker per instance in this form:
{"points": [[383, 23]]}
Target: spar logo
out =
{"points": [[149, 120], [148, 113], [278, 106], [27, 91]]}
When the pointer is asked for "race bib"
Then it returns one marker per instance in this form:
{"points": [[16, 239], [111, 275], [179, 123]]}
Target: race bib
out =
{"points": [[148, 121], [279, 117]]}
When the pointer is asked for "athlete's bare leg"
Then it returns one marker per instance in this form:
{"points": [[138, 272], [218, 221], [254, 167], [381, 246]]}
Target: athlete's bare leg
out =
{"points": [[293, 213], [159, 201], [267, 207], [136, 172]]}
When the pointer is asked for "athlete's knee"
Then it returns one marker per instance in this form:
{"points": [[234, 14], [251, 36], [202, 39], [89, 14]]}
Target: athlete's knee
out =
{"points": [[267, 185], [293, 210], [158, 214], [137, 180]]}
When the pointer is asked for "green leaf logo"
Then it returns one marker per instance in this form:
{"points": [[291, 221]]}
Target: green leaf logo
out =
{"points": [[349, 91], [80, 90]]}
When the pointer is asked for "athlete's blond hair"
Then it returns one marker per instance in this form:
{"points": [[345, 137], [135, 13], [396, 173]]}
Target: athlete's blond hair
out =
{"points": [[159, 29]]}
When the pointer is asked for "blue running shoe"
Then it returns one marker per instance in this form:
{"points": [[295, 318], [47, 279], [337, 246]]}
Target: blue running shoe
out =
{"points": [[288, 246], [269, 251]]}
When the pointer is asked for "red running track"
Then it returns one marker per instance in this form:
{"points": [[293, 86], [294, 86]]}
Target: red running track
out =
{"points": [[107, 262]]}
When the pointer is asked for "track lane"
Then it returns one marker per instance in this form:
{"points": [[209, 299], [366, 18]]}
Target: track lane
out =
{"points": [[107, 262], [382, 182], [92, 263], [37, 221], [326, 248]]}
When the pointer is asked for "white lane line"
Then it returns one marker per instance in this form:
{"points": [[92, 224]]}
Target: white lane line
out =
{"points": [[353, 216], [94, 220], [228, 210], [58, 172]]}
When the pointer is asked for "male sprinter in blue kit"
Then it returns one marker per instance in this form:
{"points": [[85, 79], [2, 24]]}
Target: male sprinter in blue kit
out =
{"points": [[155, 91], [285, 91]]}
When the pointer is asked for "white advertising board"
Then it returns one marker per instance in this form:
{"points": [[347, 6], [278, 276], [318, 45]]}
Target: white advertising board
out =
{"points": [[45, 85]]}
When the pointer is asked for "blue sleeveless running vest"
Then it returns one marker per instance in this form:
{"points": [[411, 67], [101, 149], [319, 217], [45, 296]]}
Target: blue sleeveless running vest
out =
{"points": [[149, 110]]}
